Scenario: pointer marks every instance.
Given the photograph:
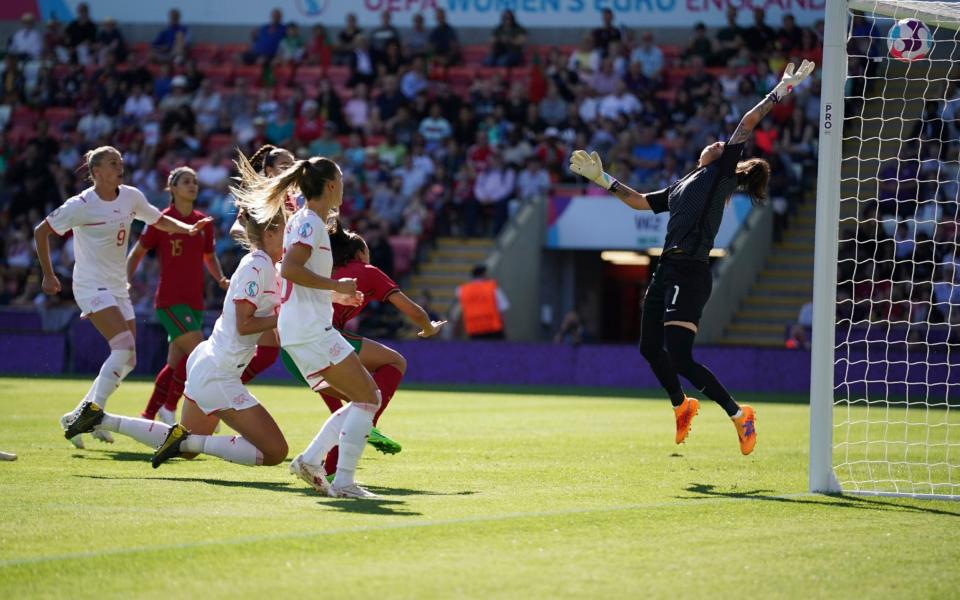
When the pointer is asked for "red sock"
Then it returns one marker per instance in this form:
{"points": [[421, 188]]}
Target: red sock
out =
{"points": [[388, 379], [160, 387], [262, 359], [177, 382]]}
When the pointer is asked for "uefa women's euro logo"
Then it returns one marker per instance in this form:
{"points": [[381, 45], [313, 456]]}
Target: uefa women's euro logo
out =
{"points": [[312, 8], [252, 288], [306, 230]]}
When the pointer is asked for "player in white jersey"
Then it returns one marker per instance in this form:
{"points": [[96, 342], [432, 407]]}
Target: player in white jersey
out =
{"points": [[214, 390], [100, 217], [306, 317]]}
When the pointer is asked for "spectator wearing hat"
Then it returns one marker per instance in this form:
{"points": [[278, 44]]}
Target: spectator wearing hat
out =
{"points": [[178, 95], [27, 42]]}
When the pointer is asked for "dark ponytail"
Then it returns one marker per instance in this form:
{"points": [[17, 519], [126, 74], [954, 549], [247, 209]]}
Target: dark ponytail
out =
{"points": [[345, 245], [753, 176]]}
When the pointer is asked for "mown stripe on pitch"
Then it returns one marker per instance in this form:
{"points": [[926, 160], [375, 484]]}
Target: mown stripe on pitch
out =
{"points": [[374, 528]]}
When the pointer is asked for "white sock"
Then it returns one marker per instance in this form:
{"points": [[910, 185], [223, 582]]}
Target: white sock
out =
{"points": [[326, 438], [149, 433], [228, 447], [122, 360], [353, 439], [738, 415]]}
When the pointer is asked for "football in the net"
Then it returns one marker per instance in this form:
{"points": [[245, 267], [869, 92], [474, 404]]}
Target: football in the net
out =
{"points": [[909, 40]]}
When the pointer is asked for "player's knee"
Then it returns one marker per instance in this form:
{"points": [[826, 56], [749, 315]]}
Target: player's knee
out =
{"points": [[400, 363], [372, 400], [275, 453]]}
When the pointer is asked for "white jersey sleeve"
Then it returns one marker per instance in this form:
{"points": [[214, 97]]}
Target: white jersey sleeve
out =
{"points": [[67, 216], [142, 209]]}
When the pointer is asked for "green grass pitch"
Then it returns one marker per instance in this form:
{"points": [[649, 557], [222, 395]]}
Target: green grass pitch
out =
{"points": [[494, 495]]}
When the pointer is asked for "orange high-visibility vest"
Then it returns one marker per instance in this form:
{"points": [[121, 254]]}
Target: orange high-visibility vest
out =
{"points": [[478, 301]]}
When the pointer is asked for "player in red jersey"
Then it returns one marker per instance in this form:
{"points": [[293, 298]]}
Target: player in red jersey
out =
{"points": [[351, 259], [270, 161], [179, 297]]}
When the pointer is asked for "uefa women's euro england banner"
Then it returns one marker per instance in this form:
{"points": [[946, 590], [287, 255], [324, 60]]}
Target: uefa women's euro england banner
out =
{"points": [[605, 223], [460, 13]]}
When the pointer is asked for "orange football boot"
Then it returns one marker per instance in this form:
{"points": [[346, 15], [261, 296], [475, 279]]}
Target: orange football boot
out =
{"points": [[685, 414], [746, 429]]}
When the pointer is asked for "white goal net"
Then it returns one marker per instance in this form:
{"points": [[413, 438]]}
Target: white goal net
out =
{"points": [[896, 348]]}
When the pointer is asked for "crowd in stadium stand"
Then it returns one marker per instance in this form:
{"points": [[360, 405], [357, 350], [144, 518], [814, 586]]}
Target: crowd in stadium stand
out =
{"points": [[435, 136]]}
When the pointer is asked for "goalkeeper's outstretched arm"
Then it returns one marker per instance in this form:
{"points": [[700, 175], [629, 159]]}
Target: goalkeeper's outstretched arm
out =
{"points": [[753, 117], [590, 167]]}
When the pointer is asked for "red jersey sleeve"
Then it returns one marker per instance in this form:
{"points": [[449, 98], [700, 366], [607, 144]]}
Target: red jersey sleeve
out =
{"points": [[377, 281]]}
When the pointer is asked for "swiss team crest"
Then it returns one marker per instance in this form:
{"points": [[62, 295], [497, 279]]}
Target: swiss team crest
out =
{"points": [[252, 288], [306, 230]]}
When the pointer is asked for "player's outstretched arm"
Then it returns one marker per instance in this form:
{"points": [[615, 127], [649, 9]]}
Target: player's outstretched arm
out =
{"points": [[213, 267], [415, 313], [753, 117], [171, 225], [590, 167]]}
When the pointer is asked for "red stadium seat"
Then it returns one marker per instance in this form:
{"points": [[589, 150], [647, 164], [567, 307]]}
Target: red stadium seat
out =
{"points": [[232, 52], [282, 74], [475, 53], [308, 75], [140, 49], [404, 253], [251, 74], [204, 53], [57, 115], [338, 75], [25, 116], [219, 74], [457, 76], [219, 141]]}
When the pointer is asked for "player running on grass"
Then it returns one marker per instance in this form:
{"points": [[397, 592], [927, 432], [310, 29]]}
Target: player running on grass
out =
{"points": [[306, 318], [682, 282], [100, 217], [179, 297], [351, 259], [214, 389]]}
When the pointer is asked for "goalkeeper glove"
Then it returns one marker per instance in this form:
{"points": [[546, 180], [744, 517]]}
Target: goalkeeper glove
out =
{"points": [[590, 167], [791, 80]]}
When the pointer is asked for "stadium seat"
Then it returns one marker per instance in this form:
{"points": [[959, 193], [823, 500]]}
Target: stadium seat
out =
{"points": [[57, 115], [404, 253], [24, 115], [475, 53], [140, 49], [204, 53], [219, 141], [308, 75], [230, 53], [338, 75], [251, 74], [219, 74], [282, 74]]}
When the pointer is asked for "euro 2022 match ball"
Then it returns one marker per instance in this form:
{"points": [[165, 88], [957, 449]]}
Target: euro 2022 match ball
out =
{"points": [[909, 40]]}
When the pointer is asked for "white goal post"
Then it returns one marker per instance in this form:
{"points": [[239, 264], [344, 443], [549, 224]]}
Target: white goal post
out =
{"points": [[885, 372]]}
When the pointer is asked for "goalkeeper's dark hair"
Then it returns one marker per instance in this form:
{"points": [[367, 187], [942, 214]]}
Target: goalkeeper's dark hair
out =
{"points": [[345, 245], [753, 177], [267, 156]]}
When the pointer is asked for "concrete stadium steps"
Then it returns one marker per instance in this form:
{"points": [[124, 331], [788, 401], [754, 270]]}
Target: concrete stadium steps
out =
{"points": [[781, 288], [446, 266]]}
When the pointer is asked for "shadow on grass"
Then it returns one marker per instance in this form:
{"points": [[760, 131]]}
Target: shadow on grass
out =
{"points": [[709, 490], [118, 455], [376, 506]]}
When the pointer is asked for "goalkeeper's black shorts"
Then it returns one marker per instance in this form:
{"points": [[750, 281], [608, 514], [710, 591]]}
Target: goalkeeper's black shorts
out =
{"points": [[679, 290]]}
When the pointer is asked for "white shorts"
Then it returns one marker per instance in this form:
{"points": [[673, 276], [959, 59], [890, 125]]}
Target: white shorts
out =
{"points": [[313, 358], [213, 388], [91, 303]]}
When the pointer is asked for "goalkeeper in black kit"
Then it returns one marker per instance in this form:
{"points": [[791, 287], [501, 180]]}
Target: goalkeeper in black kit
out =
{"points": [[683, 281]]}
